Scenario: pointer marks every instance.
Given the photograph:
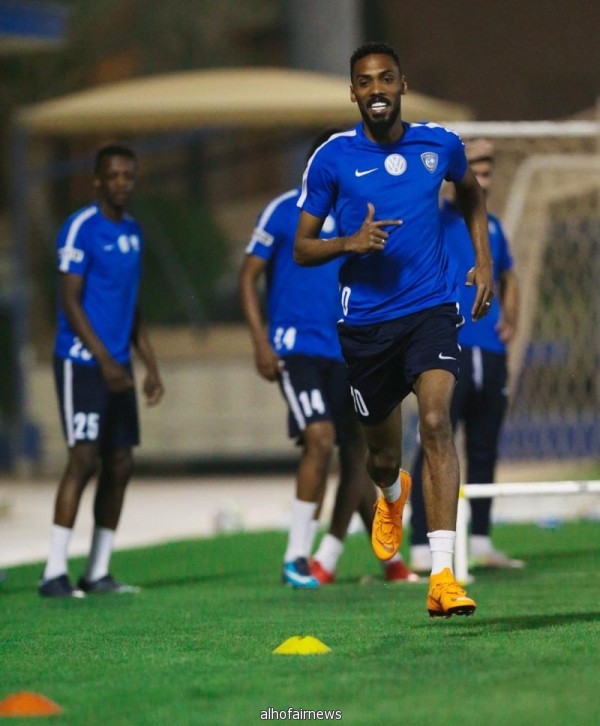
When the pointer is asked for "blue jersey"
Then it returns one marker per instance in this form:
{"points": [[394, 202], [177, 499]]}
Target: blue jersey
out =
{"points": [[107, 254], [483, 333], [303, 302], [402, 181]]}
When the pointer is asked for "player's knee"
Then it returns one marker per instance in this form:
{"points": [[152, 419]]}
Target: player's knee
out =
{"points": [[319, 440], [120, 464], [83, 463], [434, 426], [123, 465], [383, 466]]}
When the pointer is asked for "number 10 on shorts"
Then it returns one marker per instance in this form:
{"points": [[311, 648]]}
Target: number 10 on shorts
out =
{"points": [[359, 402]]}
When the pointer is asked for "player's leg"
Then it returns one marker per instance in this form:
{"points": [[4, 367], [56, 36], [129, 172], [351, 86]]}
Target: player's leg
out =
{"points": [[378, 385], [352, 474], [434, 390], [440, 486], [432, 361], [82, 400], [420, 555], [420, 550], [311, 476], [353, 480], [311, 423], [121, 434], [115, 473], [81, 466], [483, 424], [383, 464]]}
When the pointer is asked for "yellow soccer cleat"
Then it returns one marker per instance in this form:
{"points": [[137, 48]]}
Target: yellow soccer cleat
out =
{"points": [[446, 597], [386, 535]]}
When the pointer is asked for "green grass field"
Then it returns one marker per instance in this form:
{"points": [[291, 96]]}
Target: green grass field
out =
{"points": [[195, 646]]}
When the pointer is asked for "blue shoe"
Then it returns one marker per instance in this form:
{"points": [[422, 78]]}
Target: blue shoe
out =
{"points": [[297, 574], [59, 587], [106, 585]]}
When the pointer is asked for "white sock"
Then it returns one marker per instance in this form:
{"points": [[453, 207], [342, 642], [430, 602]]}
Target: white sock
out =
{"points": [[329, 552], [100, 552], [391, 494], [480, 545], [314, 528], [441, 544], [59, 545], [299, 535]]}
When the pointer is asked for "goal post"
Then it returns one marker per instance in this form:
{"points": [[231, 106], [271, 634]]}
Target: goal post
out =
{"points": [[547, 194], [482, 491]]}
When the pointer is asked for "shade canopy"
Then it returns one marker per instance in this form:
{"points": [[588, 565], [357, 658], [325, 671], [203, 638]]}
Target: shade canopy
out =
{"points": [[255, 97]]}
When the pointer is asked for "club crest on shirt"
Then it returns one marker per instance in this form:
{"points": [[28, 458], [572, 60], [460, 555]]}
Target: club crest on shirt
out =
{"points": [[395, 164], [430, 160]]}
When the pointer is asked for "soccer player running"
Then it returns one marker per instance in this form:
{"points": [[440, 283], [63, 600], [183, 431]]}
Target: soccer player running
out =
{"points": [[399, 296], [301, 351], [99, 266], [480, 397]]}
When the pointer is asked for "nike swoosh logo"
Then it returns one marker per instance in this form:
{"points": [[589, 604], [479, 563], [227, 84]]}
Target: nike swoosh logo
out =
{"points": [[446, 357], [362, 173]]}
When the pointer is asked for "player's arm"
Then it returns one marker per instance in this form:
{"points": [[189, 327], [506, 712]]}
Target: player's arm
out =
{"points": [[153, 386], [265, 358], [310, 250], [71, 293], [471, 201], [509, 306]]}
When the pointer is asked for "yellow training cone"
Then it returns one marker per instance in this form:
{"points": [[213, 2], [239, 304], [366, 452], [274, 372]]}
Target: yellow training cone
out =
{"points": [[302, 645]]}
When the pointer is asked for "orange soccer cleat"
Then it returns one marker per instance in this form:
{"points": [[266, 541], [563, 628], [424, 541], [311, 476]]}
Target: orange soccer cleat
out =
{"points": [[446, 597], [386, 536]]}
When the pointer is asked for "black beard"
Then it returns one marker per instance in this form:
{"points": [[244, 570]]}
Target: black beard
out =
{"points": [[380, 127]]}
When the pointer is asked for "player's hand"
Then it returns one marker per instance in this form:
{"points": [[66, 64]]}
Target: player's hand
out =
{"points": [[153, 389], [482, 276], [267, 363], [506, 330], [116, 376], [371, 237]]}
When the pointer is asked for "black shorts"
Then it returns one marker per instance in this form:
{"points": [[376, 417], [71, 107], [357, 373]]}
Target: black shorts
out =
{"points": [[315, 389], [90, 412], [384, 360]]}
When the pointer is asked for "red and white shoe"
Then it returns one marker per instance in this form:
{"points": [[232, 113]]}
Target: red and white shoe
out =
{"points": [[323, 576], [397, 571]]}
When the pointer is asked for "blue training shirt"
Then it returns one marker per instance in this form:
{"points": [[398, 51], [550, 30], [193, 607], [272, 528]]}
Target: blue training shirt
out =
{"points": [[402, 181], [108, 255], [303, 302], [483, 333]]}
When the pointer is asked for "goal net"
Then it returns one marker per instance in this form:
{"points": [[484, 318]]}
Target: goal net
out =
{"points": [[547, 194]]}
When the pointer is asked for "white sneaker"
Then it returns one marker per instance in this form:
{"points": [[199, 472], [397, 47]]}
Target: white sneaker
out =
{"points": [[420, 558], [496, 559]]}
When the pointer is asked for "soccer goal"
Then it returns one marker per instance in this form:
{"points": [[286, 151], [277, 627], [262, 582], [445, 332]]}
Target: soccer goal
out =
{"points": [[547, 194]]}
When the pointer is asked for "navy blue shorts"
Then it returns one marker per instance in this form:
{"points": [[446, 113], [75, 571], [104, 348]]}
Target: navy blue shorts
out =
{"points": [[384, 360], [315, 389], [91, 413]]}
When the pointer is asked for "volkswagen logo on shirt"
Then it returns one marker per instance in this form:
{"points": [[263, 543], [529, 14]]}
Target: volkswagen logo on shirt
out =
{"points": [[395, 164]]}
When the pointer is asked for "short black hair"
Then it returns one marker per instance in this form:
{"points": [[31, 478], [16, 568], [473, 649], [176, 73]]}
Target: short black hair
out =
{"points": [[112, 150], [373, 48], [320, 139]]}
